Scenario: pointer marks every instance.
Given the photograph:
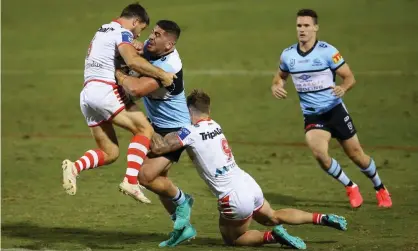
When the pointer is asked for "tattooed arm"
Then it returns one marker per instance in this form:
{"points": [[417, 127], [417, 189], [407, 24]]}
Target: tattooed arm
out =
{"points": [[169, 143]]}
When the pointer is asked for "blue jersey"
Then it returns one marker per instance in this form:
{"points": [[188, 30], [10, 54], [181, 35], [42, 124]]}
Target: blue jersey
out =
{"points": [[166, 107], [313, 74]]}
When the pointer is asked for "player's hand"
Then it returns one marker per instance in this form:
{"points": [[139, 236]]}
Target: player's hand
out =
{"points": [[279, 92], [168, 79], [338, 91], [120, 76], [139, 46]]}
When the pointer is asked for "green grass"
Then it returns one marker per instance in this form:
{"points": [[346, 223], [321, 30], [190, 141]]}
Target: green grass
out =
{"points": [[42, 123]]}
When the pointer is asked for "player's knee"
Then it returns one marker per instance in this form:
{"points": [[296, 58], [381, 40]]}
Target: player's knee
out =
{"points": [[144, 179], [320, 155], [145, 129], [111, 155]]}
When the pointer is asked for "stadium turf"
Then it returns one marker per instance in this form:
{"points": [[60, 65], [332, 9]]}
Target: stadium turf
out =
{"points": [[230, 49]]}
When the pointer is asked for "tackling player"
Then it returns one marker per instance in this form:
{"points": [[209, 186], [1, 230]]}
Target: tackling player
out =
{"points": [[313, 65], [240, 198], [167, 110], [102, 102]]}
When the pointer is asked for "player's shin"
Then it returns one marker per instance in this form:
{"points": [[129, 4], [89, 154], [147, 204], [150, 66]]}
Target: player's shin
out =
{"points": [[372, 174], [337, 172], [91, 159], [138, 149], [292, 216]]}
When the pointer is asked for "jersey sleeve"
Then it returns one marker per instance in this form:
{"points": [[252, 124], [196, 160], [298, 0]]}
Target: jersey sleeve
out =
{"points": [[186, 135], [282, 64], [124, 37], [334, 58]]}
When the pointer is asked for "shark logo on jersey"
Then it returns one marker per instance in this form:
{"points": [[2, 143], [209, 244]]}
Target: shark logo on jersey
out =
{"points": [[317, 62]]}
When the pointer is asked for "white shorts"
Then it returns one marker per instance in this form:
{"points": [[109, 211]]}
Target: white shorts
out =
{"points": [[245, 199], [100, 101]]}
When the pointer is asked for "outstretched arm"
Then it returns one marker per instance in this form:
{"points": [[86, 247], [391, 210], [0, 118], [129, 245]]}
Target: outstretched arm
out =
{"points": [[171, 142], [141, 65]]}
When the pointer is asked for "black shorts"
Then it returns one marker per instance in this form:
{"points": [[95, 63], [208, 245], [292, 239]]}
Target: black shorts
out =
{"points": [[337, 121], [173, 156]]}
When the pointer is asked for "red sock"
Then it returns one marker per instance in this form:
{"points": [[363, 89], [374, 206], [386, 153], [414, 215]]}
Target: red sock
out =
{"points": [[138, 149], [317, 218], [268, 238], [91, 159]]}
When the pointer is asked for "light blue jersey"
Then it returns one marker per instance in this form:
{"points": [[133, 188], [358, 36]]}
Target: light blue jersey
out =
{"points": [[166, 107], [313, 74]]}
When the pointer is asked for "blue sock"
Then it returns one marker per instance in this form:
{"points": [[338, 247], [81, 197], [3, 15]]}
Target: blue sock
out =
{"points": [[179, 198], [372, 174], [337, 172]]}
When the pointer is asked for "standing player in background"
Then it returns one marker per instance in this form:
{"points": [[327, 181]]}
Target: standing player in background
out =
{"points": [[240, 198], [167, 110], [102, 104], [313, 65]]}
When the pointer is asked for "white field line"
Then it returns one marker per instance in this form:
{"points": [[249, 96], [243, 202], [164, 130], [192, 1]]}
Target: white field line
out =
{"points": [[207, 72]]}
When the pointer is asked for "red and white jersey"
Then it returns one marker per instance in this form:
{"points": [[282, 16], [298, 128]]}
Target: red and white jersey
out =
{"points": [[103, 51], [209, 150]]}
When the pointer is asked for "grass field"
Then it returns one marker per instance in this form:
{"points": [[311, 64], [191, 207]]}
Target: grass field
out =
{"points": [[228, 48]]}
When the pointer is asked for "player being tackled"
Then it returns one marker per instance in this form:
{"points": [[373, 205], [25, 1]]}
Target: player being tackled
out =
{"points": [[240, 198], [103, 105]]}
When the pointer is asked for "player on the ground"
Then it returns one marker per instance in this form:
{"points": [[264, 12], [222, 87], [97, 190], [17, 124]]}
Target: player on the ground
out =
{"points": [[240, 198], [102, 103], [167, 110], [313, 65]]}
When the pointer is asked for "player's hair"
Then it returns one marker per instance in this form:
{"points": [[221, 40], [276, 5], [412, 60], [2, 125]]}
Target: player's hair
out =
{"points": [[135, 10], [199, 100], [308, 13], [170, 27]]}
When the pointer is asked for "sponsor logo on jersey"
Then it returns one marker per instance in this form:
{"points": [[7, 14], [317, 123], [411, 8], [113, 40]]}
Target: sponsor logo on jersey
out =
{"points": [[183, 133], [322, 45], [94, 64], [127, 37], [304, 61], [310, 126], [337, 57], [223, 170], [211, 135], [101, 29], [304, 77]]}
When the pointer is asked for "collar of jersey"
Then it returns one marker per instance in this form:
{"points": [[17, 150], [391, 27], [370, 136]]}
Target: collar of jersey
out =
{"points": [[201, 120], [116, 21], [306, 53], [155, 58]]}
